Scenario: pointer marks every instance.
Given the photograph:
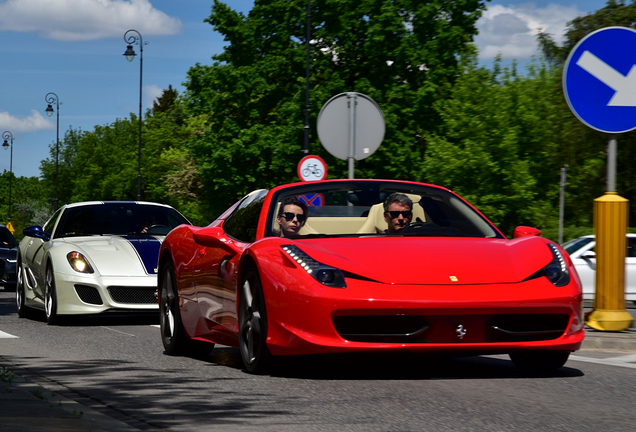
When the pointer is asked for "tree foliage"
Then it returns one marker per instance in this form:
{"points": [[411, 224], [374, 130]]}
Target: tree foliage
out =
{"points": [[250, 102], [499, 136]]}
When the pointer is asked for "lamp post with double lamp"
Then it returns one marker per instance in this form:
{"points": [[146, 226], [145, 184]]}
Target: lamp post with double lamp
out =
{"points": [[52, 98], [8, 136], [130, 38]]}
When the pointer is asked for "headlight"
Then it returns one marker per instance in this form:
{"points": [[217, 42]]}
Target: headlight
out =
{"points": [[78, 262], [326, 275], [557, 271]]}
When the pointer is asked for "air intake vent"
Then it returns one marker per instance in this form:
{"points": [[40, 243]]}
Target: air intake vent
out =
{"points": [[88, 294], [133, 295]]}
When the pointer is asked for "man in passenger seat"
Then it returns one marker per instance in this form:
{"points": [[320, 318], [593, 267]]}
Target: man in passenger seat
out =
{"points": [[398, 212]]}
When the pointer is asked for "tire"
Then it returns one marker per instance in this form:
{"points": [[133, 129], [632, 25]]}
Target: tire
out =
{"points": [[539, 361], [173, 336], [50, 297], [253, 325], [20, 293]]}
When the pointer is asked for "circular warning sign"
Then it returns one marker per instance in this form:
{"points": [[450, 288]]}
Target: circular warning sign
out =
{"points": [[312, 168]]}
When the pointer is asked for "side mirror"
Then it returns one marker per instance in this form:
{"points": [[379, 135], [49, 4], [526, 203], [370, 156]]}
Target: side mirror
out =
{"points": [[525, 231], [588, 255], [213, 237], [37, 232]]}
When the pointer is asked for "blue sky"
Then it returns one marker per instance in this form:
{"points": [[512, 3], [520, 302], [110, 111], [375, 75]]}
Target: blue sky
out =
{"points": [[74, 49]]}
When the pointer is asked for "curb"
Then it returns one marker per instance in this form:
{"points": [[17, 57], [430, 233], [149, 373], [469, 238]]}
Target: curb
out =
{"points": [[595, 339]]}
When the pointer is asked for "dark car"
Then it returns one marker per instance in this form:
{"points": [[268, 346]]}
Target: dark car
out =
{"points": [[8, 253]]}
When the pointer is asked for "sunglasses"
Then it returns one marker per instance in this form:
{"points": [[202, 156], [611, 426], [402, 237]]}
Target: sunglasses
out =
{"points": [[289, 216], [406, 214]]}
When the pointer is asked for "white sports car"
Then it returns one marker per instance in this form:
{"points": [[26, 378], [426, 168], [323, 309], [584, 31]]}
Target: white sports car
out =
{"points": [[93, 257], [582, 251]]}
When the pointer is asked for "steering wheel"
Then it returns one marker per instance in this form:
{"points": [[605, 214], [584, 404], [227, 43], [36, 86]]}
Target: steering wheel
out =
{"points": [[155, 226], [414, 226]]}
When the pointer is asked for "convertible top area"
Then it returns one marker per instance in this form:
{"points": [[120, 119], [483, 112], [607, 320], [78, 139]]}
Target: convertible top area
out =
{"points": [[356, 207]]}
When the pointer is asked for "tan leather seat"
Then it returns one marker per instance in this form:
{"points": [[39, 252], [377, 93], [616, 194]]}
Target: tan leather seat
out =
{"points": [[375, 222]]}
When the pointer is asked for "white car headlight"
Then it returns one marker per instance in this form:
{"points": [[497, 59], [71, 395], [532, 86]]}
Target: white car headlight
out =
{"points": [[79, 263]]}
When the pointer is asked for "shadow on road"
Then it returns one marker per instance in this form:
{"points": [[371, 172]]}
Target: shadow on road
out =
{"points": [[387, 366]]}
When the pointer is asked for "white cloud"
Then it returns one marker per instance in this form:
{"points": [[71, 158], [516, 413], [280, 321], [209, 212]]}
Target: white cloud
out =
{"points": [[75, 20], [512, 31], [35, 122], [150, 94]]}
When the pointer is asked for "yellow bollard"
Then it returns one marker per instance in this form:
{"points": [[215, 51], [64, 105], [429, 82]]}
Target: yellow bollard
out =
{"points": [[610, 228]]}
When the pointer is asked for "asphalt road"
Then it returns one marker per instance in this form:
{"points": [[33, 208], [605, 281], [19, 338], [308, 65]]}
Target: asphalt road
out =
{"points": [[117, 367]]}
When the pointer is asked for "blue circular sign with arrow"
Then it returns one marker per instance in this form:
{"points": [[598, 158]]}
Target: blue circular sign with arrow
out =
{"points": [[599, 80]]}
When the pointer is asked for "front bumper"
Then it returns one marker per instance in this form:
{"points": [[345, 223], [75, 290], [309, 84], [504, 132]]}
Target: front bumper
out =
{"points": [[368, 316], [93, 295]]}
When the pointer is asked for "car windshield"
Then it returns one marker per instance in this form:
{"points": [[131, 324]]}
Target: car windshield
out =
{"points": [[118, 218], [576, 244], [355, 208], [7, 241]]}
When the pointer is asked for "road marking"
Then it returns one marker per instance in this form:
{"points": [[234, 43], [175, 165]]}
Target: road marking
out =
{"points": [[627, 361], [117, 331], [4, 335], [623, 85]]}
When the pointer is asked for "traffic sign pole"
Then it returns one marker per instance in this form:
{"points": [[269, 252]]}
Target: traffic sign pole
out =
{"points": [[352, 99], [599, 83]]}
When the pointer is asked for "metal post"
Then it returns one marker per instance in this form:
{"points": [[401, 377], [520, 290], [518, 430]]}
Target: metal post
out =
{"points": [[562, 202], [306, 146], [51, 98], [9, 136], [611, 164], [130, 40], [352, 131]]}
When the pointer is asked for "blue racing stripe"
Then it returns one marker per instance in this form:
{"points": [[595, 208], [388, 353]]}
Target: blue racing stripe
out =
{"points": [[148, 250]]}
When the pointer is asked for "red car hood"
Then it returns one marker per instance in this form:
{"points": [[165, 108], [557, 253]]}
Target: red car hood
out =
{"points": [[427, 260]]}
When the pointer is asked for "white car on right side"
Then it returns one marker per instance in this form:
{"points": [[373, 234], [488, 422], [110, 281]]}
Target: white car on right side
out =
{"points": [[582, 251]]}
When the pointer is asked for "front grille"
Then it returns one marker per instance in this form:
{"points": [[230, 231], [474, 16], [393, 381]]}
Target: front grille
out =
{"points": [[527, 327], [381, 328], [133, 295], [88, 294], [456, 329]]}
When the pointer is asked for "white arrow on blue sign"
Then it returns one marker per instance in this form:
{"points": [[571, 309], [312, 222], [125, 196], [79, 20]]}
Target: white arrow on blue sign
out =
{"points": [[599, 80]]}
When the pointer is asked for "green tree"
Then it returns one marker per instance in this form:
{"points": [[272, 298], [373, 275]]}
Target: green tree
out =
{"points": [[502, 143], [248, 107], [584, 147]]}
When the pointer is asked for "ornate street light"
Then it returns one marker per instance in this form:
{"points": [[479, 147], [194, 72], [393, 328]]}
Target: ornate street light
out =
{"points": [[52, 98], [130, 54], [8, 136]]}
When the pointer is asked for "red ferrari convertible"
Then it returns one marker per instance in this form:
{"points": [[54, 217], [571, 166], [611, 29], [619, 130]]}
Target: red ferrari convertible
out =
{"points": [[366, 265]]}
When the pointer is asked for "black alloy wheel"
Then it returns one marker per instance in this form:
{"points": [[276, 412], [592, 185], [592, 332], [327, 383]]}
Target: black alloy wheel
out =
{"points": [[173, 336], [20, 293], [253, 325], [50, 297]]}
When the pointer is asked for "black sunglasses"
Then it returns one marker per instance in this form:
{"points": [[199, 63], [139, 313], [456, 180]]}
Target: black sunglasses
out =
{"points": [[406, 214], [289, 216]]}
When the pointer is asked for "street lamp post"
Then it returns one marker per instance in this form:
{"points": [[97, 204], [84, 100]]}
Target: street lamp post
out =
{"points": [[9, 136], [52, 98], [130, 38]]}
